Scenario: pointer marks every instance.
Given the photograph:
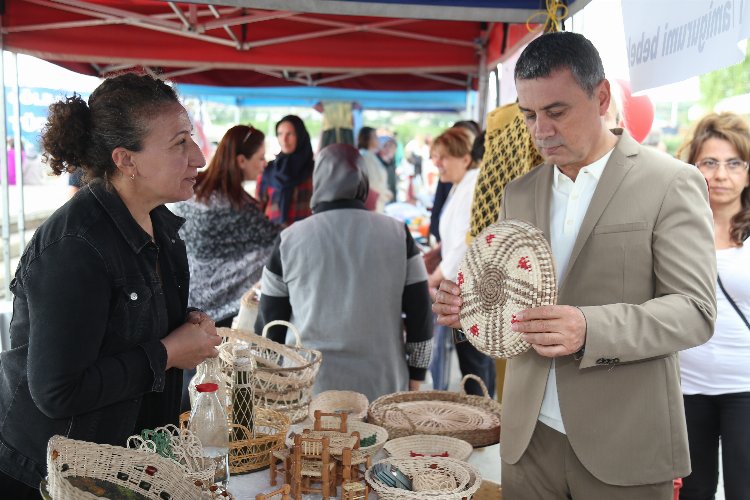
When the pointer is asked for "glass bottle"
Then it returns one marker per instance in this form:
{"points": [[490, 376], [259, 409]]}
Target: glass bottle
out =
{"points": [[209, 371], [209, 423]]}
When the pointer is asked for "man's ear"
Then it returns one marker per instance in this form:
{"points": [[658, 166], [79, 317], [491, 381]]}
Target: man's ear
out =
{"points": [[604, 96], [123, 160]]}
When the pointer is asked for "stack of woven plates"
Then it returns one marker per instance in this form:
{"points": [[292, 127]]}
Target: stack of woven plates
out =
{"points": [[508, 268]]}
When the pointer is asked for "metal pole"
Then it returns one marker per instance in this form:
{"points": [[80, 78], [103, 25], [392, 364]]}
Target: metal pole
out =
{"points": [[4, 176], [18, 149], [482, 87]]}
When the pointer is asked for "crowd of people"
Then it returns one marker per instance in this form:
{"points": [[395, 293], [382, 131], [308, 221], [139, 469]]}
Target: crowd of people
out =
{"points": [[633, 380]]}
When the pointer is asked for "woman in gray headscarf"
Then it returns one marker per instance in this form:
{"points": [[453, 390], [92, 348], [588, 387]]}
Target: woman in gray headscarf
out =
{"points": [[344, 276]]}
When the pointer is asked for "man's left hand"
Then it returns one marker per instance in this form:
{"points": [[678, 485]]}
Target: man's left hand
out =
{"points": [[552, 331]]}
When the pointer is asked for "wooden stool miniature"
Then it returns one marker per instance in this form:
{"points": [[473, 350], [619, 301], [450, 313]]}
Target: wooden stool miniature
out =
{"points": [[327, 421], [279, 494], [354, 490]]}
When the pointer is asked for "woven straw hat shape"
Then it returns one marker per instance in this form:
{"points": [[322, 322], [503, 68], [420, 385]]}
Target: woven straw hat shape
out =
{"points": [[507, 269]]}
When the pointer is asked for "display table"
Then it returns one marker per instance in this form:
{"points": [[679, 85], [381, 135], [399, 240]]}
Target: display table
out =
{"points": [[246, 486]]}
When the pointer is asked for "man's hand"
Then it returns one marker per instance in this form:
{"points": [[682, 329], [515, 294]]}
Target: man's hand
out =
{"points": [[414, 385], [448, 302], [552, 330]]}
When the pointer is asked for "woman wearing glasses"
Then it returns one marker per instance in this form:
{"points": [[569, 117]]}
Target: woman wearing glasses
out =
{"points": [[716, 375], [227, 236]]}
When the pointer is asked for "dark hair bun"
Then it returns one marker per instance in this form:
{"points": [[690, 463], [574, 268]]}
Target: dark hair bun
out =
{"points": [[65, 135]]}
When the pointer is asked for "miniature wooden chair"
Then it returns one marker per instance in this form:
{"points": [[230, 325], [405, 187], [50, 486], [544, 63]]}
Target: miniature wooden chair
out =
{"points": [[312, 461], [330, 421], [279, 494], [354, 490], [280, 464]]}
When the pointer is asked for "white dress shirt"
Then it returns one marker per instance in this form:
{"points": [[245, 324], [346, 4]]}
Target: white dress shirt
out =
{"points": [[455, 222], [570, 201]]}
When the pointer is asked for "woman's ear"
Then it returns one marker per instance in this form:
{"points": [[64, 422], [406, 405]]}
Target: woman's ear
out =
{"points": [[467, 161], [241, 160], [123, 160]]}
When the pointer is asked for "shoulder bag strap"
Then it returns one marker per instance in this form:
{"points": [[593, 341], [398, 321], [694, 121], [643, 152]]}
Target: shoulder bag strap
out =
{"points": [[731, 301]]}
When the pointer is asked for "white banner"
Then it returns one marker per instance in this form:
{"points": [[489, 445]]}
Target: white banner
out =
{"points": [[671, 40]]}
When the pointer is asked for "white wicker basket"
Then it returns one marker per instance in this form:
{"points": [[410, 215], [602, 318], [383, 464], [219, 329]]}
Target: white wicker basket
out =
{"points": [[436, 478], [428, 445], [355, 404]]}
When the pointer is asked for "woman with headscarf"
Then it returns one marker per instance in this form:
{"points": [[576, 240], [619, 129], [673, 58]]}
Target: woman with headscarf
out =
{"points": [[285, 188], [344, 277]]}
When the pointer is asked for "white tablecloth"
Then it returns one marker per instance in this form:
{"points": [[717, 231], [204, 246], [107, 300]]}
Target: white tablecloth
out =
{"points": [[245, 487]]}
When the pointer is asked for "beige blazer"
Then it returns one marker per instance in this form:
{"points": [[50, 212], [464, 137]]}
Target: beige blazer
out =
{"points": [[643, 271]]}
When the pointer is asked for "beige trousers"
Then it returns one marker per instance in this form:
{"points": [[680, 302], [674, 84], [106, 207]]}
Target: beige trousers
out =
{"points": [[550, 470]]}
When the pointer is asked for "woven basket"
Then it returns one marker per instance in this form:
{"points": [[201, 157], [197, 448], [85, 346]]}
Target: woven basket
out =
{"points": [[429, 446], [145, 473], [474, 419], [434, 478], [366, 429], [508, 268], [284, 375], [353, 403], [251, 450]]}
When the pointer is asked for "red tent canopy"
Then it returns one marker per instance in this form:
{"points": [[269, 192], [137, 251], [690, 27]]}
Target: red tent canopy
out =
{"points": [[245, 47]]}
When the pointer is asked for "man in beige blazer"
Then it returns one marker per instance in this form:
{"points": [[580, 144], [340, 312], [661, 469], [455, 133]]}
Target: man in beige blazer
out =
{"points": [[594, 410]]}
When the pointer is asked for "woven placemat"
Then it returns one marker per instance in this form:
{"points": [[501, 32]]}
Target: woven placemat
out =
{"points": [[508, 268]]}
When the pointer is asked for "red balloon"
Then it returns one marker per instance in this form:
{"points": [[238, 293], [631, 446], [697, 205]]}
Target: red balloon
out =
{"points": [[637, 112]]}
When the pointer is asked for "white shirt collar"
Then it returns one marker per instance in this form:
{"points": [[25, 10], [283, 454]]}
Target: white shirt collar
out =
{"points": [[594, 169]]}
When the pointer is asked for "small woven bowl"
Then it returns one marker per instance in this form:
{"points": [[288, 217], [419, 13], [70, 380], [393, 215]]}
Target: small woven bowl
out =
{"points": [[429, 446], [353, 403], [365, 430]]}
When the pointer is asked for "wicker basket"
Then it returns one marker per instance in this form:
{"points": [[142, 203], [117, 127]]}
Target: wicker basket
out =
{"points": [[252, 451], [434, 478], [474, 419], [429, 446], [284, 375], [365, 429], [353, 403], [148, 474]]}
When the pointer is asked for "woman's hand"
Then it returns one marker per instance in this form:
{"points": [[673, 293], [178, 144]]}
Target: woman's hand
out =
{"points": [[191, 343]]}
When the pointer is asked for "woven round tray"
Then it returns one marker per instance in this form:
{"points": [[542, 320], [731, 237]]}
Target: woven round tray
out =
{"points": [[426, 445], [508, 268], [353, 403], [434, 478], [474, 419]]}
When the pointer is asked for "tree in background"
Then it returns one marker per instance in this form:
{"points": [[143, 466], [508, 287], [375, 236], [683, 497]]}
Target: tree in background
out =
{"points": [[726, 82]]}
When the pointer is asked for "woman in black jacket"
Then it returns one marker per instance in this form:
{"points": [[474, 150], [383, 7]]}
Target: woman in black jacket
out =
{"points": [[101, 328]]}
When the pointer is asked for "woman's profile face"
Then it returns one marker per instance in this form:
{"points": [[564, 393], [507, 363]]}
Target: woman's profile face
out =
{"points": [[167, 164], [253, 166], [287, 136]]}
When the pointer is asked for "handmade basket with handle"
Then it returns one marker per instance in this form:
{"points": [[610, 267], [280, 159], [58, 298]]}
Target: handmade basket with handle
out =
{"points": [[148, 474], [284, 375], [475, 419]]}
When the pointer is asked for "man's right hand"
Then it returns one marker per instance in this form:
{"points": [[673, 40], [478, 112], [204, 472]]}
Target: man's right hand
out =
{"points": [[447, 304]]}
